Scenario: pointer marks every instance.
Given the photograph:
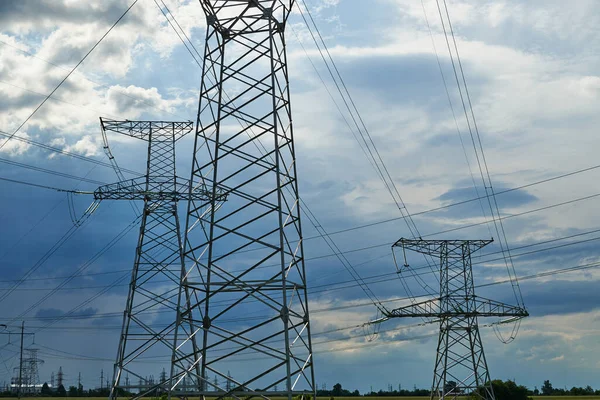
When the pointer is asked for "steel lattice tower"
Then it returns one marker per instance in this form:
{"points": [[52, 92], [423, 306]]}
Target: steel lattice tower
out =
{"points": [[158, 266], [460, 365], [244, 261]]}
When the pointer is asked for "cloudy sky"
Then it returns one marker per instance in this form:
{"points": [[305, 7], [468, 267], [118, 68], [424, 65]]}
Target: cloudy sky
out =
{"points": [[531, 69]]}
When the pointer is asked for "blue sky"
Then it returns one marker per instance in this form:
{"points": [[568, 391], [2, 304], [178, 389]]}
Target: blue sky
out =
{"points": [[532, 75]]}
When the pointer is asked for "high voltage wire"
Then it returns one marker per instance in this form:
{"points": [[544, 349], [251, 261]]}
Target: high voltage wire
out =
{"points": [[402, 217], [129, 228], [67, 76], [462, 143], [50, 172], [186, 46], [113, 88], [367, 278], [86, 265], [59, 100], [327, 287], [66, 153], [389, 183], [309, 214], [378, 245]]}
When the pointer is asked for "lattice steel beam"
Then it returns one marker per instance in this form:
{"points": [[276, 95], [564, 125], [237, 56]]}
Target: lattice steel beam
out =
{"points": [[245, 83]]}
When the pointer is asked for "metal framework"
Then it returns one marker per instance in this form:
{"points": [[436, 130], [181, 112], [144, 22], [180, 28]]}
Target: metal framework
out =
{"points": [[244, 265], [150, 311], [460, 365]]}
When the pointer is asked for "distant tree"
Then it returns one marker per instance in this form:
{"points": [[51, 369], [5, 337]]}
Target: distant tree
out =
{"points": [[337, 389], [72, 391], [60, 391], [547, 388], [536, 391], [509, 390], [46, 391]]}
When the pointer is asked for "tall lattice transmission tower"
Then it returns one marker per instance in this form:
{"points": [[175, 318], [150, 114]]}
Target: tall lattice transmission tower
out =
{"points": [[460, 366], [157, 269], [244, 261], [27, 376]]}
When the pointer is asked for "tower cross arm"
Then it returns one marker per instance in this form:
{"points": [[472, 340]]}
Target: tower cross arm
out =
{"points": [[437, 248], [136, 189], [143, 129], [480, 307]]}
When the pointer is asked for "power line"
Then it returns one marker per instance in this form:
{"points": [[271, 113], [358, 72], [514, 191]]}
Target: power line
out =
{"points": [[364, 249], [323, 288], [56, 189], [312, 218], [50, 172], [382, 170], [113, 88], [64, 152], [463, 202], [67, 76], [488, 187]]}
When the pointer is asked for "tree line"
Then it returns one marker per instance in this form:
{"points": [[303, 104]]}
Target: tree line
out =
{"points": [[504, 390]]}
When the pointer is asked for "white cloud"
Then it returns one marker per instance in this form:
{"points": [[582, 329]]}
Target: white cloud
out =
{"points": [[88, 146], [14, 147]]}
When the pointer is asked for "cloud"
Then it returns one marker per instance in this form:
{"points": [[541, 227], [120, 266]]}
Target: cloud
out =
{"points": [[88, 146], [53, 313], [14, 147]]}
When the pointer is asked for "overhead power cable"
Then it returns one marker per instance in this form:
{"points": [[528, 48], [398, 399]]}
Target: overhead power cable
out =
{"points": [[479, 152], [381, 278], [82, 268], [381, 169], [312, 218], [67, 76], [50, 172], [64, 152], [103, 85]]}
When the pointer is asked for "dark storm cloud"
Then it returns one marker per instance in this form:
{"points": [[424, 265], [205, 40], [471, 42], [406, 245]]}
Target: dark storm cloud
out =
{"points": [[515, 198]]}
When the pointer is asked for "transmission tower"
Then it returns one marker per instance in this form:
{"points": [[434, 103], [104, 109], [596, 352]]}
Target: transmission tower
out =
{"points": [[60, 376], [27, 375], [244, 146], [460, 366], [157, 269]]}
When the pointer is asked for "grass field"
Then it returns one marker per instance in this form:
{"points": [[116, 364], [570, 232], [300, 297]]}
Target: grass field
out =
{"points": [[358, 398]]}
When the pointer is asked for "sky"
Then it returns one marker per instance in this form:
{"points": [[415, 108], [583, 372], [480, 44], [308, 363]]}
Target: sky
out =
{"points": [[531, 71]]}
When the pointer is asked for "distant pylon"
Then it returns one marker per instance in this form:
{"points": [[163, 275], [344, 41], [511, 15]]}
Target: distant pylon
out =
{"points": [[60, 376], [460, 367], [244, 146]]}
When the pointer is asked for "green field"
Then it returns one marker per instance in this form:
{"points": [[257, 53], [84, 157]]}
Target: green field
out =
{"points": [[358, 398]]}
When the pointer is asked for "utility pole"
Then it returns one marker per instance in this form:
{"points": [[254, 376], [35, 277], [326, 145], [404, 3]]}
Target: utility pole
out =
{"points": [[101, 378], [21, 361]]}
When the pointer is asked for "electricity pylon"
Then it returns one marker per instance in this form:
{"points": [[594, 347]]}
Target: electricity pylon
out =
{"points": [[245, 264], [157, 269], [460, 365]]}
